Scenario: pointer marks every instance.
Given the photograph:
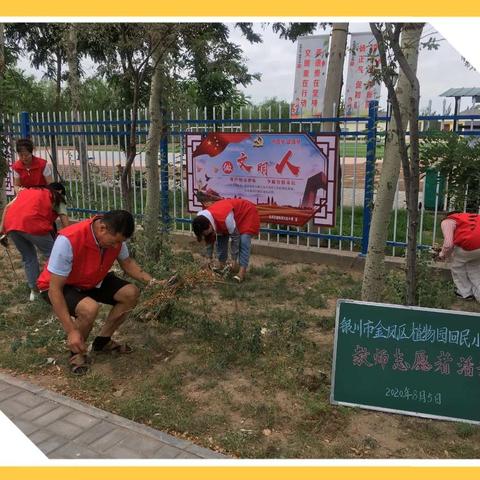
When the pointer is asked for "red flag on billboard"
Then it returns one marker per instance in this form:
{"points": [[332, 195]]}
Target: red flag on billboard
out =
{"points": [[215, 143]]}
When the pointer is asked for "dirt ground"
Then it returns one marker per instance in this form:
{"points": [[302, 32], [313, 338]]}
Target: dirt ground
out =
{"points": [[241, 369]]}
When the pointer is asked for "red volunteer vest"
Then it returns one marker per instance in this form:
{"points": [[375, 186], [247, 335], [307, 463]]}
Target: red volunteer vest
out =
{"points": [[89, 266], [467, 231], [31, 176], [244, 212], [31, 212]]}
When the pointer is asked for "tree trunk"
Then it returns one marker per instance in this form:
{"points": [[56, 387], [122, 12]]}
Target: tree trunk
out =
{"points": [[414, 32], [74, 84], [334, 83], [152, 208], [126, 178], [374, 272], [58, 80], [2, 51]]}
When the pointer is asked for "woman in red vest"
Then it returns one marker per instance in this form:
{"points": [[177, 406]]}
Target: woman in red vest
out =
{"points": [[461, 233], [29, 170], [28, 221], [233, 218]]}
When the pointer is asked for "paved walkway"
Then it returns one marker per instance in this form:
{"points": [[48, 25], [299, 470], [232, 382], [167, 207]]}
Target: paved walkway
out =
{"points": [[64, 428]]}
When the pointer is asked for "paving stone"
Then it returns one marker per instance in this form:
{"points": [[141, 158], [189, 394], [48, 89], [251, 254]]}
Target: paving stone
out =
{"points": [[39, 436], [81, 420], [16, 382], [74, 450], [147, 446], [144, 430], [203, 452], [64, 429], [9, 392], [29, 399], [94, 433], [36, 412], [167, 451], [4, 385], [109, 440], [74, 404], [56, 414], [187, 455], [26, 427], [119, 451], [51, 444], [12, 408]]}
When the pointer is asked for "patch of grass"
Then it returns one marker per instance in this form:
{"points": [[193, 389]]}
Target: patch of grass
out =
{"points": [[313, 298], [464, 450], [433, 290], [95, 383], [316, 407], [161, 403], [264, 414], [301, 277], [326, 322], [22, 359], [230, 291], [242, 444], [269, 270], [466, 430]]}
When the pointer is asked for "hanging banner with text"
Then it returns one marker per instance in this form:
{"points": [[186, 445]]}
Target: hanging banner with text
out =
{"points": [[410, 360], [290, 177], [310, 76], [360, 89], [9, 153]]}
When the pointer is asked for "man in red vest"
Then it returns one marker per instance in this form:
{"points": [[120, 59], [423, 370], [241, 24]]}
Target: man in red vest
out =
{"points": [[29, 170], [28, 220], [233, 218], [77, 278], [461, 233]]}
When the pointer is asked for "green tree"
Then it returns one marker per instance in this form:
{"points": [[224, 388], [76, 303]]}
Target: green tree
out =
{"points": [[217, 67], [457, 159], [43, 44], [398, 48]]}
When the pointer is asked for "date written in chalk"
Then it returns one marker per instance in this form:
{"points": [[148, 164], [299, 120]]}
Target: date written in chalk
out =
{"points": [[421, 396]]}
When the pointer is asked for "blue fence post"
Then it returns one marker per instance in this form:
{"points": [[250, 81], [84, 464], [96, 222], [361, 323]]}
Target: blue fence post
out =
{"points": [[25, 125], [164, 180], [369, 173]]}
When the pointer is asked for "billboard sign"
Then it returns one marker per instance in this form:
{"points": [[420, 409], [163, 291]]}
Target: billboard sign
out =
{"points": [[411, 360], [9, 190], [290, 177], [360, 89], [310, 76]]}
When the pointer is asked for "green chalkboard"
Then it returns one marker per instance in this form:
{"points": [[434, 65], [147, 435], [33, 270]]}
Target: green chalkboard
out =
{"points": [[411, 360]]}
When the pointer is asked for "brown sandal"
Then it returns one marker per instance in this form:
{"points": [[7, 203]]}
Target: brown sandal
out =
{"points": [[79, 364], [113, 347]]}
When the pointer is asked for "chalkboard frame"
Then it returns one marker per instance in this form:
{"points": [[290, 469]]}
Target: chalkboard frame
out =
{"points": [[333, 401]]}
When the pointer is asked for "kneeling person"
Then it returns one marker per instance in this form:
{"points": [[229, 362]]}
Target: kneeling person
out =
{"points": [[77, 278]]}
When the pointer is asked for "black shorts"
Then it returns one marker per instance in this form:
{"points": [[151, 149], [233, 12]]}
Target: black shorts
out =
{"points": [[73, 296]]}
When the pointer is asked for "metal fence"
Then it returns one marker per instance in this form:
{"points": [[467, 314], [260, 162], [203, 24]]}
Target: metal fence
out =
{"points": [[103, 135]]}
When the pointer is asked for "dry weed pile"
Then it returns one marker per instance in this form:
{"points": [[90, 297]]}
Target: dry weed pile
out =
{"points": [[158, 298]]}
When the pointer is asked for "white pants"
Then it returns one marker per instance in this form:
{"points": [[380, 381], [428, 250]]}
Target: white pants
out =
{"points": [[466, 272]]}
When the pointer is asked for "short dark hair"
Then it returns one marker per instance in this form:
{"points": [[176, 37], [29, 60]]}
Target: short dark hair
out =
{"points": [[57, 191], [199, 224], [119, 221], [24, 143], [59, 187]]}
